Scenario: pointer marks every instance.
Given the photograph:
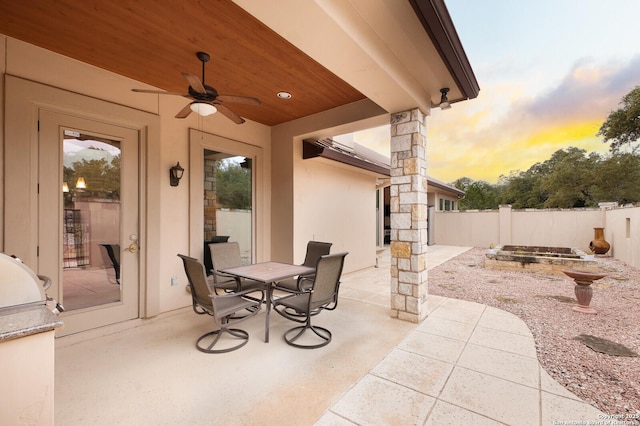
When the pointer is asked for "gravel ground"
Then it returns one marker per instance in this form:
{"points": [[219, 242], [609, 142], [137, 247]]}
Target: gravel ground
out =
{"points": [[543, 302]]}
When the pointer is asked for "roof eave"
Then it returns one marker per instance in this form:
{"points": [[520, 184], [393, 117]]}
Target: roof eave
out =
{"points": [[445, 187], [435, 19]]}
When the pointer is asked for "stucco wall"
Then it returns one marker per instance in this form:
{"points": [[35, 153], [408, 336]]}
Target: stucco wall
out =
{"points": [[167, 210], [237, 225], [623, 233], [556, 228], [337, 204], [480, 228], [166, 218], [289, 213]]}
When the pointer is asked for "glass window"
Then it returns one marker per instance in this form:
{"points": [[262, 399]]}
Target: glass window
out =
{"points": [[228, 200]]}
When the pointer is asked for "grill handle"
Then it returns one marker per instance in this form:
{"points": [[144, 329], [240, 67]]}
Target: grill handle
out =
{"points": [[46, 280]]}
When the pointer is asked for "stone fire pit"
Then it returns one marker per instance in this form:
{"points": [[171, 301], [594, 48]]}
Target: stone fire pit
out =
{"points": [[550, 260]]}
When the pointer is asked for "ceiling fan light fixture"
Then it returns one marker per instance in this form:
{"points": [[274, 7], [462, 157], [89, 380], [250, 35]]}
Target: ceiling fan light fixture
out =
{"points": [[444, 101], [203, 108], [205, 99]]}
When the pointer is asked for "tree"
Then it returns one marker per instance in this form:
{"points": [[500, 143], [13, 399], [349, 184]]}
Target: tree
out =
{"points": [[622, 127], [479, 194], [233, 185], [570, 180], [618, 179], [524, 189], [102, 177]]}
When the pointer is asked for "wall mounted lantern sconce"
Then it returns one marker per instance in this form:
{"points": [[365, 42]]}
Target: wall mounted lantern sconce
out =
{"points": [[444, 101], [175, 174], [246, 164]]}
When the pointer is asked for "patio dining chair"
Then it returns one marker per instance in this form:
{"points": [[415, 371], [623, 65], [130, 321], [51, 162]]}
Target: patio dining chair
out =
{"points": [[315, 250], [321, 295], [113, 251], [227, 255], [217, 239], [222, 307]]}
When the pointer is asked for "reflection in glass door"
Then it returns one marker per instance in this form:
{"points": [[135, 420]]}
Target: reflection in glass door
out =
{"points": [[228, 201], [88, 202], [91, 221]]}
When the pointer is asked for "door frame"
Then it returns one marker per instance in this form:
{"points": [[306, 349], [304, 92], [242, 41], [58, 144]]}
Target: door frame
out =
{"points": [[198, 142], [50, 259], [23, 100]]}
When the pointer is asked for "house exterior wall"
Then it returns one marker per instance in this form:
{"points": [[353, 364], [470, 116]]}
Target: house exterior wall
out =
{"points": [[437, 197], [166, 209], [289, 223], [337, 204]]}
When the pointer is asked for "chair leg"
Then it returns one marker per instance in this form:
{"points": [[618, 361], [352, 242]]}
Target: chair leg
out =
{"points": [[321, 332], [217, 334]]}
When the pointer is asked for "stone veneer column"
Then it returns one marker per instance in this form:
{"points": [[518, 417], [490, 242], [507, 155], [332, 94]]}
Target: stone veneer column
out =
{"points": [[408, 216], [210, 199]]}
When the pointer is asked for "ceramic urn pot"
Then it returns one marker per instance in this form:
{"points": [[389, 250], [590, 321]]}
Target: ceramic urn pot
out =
{"points": [[599, 245]]}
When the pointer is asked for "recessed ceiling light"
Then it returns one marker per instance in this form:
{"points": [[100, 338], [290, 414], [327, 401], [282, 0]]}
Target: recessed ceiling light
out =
{"points": [[284, 95]]}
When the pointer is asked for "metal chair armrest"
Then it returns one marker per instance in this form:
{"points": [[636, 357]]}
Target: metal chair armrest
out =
{"points": [[228, 276], [302, 279]]}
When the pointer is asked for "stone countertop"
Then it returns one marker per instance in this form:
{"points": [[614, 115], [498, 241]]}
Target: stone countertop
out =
{"points": [[25, 321]]}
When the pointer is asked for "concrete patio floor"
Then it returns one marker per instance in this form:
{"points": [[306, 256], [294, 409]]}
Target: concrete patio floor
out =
{"points": [[465, 364]]}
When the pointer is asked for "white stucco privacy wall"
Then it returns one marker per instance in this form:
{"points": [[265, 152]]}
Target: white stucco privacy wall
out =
{"points": [[623, 233], [466, 228], [553, 228]]}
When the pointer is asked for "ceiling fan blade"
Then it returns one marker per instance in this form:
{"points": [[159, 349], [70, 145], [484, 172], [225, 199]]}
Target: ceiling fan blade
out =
{"points": [[194, 82], [229, 114], [239, 99], [159, 92], [184, 112]]}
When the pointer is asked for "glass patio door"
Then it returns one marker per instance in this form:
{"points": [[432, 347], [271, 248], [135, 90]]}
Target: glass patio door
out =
{"points": [[228, 201], [88, 219]]}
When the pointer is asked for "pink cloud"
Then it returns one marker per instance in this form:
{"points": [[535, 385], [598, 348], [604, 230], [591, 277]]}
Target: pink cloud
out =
{"points": [[504, 129]]}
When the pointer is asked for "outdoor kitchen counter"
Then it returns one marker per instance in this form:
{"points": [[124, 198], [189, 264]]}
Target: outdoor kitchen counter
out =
{"points": [[16, 322], [27, 357]]}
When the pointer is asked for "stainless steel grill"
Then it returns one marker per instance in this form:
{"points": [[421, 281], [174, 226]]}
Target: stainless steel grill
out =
{"points": [[21, 287]]}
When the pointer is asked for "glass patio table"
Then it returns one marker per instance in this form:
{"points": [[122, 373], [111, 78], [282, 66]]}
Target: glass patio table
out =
{"points": [[268, 273]]}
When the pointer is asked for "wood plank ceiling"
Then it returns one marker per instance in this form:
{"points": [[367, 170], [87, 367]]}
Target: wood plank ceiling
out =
{"points": [[154, 41]]}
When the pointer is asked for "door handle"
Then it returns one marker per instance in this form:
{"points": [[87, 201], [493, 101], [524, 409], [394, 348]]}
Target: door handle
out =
{"points": [[133, 248]]}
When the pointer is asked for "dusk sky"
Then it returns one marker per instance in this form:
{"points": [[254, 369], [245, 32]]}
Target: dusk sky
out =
{"points": [[550, 72]]}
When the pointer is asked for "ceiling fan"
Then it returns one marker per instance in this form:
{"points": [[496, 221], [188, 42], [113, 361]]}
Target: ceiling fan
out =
{"points": [[206, 99]]}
